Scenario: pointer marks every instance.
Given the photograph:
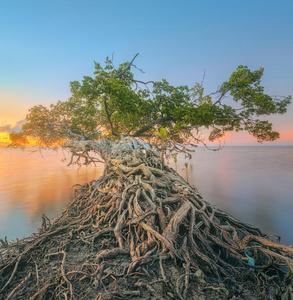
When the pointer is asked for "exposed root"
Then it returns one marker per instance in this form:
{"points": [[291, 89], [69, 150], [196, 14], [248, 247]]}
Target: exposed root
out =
{"points": [[141, 231]]}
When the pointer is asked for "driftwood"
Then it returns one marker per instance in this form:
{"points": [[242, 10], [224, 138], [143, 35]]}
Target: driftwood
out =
{"points": [[142, 231]]}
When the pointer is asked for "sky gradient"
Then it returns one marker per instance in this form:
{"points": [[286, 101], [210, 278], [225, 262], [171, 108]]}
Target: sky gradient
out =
{"points": [[46, 44]]}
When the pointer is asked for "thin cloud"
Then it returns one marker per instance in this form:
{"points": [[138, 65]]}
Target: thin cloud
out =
{"points": [[9, 128]]}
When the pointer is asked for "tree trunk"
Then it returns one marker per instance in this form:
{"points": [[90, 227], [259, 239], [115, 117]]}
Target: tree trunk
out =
{"points": [[142, 231]]}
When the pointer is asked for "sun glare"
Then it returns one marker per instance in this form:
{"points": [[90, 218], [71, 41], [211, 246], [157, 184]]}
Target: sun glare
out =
{"points": [[5, 140]]}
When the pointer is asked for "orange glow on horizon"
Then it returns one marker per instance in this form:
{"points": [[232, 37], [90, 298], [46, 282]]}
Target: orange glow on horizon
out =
{"points": [[5, 141], [244, 138], [286, 135], [4, 138], [229, 138], [226, 136]]}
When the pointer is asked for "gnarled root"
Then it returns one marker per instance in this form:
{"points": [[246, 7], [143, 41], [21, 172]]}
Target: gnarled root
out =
{"points": [[141, 231]]}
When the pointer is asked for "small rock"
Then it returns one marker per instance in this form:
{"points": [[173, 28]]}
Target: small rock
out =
{"points": [[200, 276]]}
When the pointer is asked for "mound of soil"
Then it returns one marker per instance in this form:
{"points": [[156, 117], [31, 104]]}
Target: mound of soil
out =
{"points": [[141, 231]]}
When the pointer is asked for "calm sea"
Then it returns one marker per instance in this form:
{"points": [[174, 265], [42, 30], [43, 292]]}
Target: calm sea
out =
{"points": [[254, 184]]}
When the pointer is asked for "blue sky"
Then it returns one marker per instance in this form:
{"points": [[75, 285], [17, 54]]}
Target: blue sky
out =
{"points": [[46, 44]]}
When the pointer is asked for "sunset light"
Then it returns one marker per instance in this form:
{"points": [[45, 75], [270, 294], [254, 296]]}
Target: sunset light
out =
{"points": [[146, 149], [4, 138]]}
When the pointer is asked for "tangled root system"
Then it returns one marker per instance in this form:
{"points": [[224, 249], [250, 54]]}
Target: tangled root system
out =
{"points": [[142, 231]]}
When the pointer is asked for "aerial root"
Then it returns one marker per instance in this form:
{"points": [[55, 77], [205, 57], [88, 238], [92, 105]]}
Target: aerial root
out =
{"points": [[102, 295], [18, 286], [12, 274], [140, 229], [63, 271], [245, 241], [111, 253]]}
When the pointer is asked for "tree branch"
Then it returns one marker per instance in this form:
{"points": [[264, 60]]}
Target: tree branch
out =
{"points": [[219, 100], [127, 67], [71, 132], [150, 125], [103, 147], [109, 118]]}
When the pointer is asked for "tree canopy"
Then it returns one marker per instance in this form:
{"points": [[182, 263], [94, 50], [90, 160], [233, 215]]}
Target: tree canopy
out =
{"points": [[112, 104], [140, 230]]}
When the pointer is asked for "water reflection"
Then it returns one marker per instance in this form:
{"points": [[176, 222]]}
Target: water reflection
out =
{"points": [[252, 183], [31, 185]]}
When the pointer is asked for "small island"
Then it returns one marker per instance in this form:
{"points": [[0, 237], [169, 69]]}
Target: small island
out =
{"points": [[141, 231]]}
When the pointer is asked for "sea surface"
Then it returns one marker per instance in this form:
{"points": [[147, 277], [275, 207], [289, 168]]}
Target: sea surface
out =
{"points": [[254, 184]]}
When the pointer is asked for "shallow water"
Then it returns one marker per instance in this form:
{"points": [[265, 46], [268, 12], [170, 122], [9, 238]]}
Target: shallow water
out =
{"points": [[254, 184], [31, 184]]}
